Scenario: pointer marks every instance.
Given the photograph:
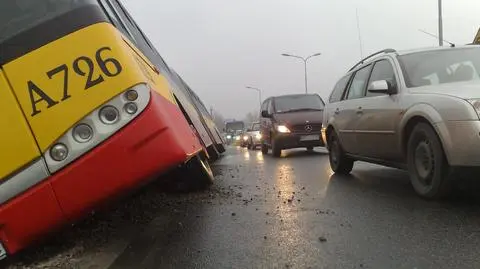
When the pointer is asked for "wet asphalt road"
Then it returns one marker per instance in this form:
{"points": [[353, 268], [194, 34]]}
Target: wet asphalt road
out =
{"points": [[265, 212]]}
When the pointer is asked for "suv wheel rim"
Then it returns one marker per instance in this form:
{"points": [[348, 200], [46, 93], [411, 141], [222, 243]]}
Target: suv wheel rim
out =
{"points": [[424, 161]]}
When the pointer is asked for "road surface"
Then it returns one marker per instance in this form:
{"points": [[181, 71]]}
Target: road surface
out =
{"points": [[265, 212]]}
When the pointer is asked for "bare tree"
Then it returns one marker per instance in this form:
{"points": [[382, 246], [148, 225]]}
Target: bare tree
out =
{"points": [[251, 117], [219, 120]]}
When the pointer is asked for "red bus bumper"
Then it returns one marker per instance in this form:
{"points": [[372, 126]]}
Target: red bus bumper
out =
{"points": [[160, 138]]}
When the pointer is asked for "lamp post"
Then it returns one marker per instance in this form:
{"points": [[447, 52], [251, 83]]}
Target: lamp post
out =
{"points": [[440, 24], [305, 64], [259, 97]]}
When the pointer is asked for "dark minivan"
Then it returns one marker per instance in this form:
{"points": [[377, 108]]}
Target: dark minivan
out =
{"points": [[291, 121]]}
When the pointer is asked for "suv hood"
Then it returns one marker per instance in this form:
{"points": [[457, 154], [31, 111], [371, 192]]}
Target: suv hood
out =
{"points": [[299, 117], [464, 90]]}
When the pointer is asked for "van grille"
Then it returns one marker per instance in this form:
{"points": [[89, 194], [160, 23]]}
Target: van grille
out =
{"points": [[307, 128]]}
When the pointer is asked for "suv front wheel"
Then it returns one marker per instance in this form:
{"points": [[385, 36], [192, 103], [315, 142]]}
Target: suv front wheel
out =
{"points": [[430, 173], [339, 161]]}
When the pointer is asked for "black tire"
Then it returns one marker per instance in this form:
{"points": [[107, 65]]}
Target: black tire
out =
{"points": [[250, 144], [339, 161], [430, 173], [195, 175], [213, 153], [264, 148], [221, 148], [276, 149]]}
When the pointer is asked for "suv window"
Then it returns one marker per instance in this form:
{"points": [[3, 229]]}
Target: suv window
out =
{"points": [[339, 89], [357, 86], [382, 70]]}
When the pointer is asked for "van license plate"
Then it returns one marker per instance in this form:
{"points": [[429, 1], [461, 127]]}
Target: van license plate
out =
{"points": [[309, 137]]}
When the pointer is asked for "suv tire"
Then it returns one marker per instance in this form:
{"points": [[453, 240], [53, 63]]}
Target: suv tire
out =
{"points": [[276, 149], [430, 173], [339, 161], [264, 148]]}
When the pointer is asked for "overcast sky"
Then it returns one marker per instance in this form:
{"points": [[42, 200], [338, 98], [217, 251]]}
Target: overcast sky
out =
{"points": [[220, 46]]}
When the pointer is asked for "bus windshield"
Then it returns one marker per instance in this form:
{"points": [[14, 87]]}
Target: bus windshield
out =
{"points": [[17, 16]]}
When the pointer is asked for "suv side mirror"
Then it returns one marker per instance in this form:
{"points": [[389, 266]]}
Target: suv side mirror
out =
{"points": [[382, 86], [265, 114]]}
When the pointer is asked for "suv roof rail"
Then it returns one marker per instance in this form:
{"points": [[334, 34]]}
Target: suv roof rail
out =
{"points": [[371, 55]]}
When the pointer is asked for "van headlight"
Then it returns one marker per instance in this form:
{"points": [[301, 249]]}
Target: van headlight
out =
{"points": [[283, 129], [258, 136]]}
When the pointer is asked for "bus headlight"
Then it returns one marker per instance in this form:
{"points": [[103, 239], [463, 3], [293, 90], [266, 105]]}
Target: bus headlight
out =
{"points": [[82, 133], [109, 115], [131, 95], [97, 126], [59, 152], [130, 108]]}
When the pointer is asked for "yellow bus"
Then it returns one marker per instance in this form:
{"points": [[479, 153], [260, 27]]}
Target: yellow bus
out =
{"points": [[88, 114]]}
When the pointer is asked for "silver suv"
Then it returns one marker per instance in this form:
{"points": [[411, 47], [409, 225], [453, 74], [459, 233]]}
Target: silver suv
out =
{"points": [[414, 110]]}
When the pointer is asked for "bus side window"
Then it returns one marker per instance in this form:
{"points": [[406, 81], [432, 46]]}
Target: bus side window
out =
{"points": [[160, 62], [139, 40], [115, 19]]}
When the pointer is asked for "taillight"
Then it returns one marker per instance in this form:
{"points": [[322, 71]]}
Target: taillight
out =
{"points": [[97, 127]]}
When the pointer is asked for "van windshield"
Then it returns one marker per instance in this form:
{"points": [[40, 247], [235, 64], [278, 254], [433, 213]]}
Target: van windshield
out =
{"points": [[17, 16], [292, 103]]}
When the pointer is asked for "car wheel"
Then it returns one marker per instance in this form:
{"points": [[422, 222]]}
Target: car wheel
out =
{"points": [[264, 148], [249, 145], [276, 149], [339, 161], [429, 171]]}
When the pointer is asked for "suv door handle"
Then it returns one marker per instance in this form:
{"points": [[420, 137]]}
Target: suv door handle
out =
{"points": [[359, 110], [337, 111]]}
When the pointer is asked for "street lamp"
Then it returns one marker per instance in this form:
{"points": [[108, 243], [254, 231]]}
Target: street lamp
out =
{"points": [[259, 96], [305, 64]]}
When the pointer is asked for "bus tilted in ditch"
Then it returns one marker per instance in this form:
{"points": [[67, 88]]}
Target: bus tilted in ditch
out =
{"points": [[88, 114]]}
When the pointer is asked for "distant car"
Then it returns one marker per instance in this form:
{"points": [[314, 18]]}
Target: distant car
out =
{"points": [[234, 132], [254, 138], [291, 121], [417, 110]]}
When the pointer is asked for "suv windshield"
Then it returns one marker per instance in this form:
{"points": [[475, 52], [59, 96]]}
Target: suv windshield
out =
{"points": [[17, 16], [441, 66], [256, 127], [304, 102]]}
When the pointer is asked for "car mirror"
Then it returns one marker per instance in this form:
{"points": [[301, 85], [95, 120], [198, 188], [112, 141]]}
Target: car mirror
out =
{"points": [[265, 114], [382, 86]]}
